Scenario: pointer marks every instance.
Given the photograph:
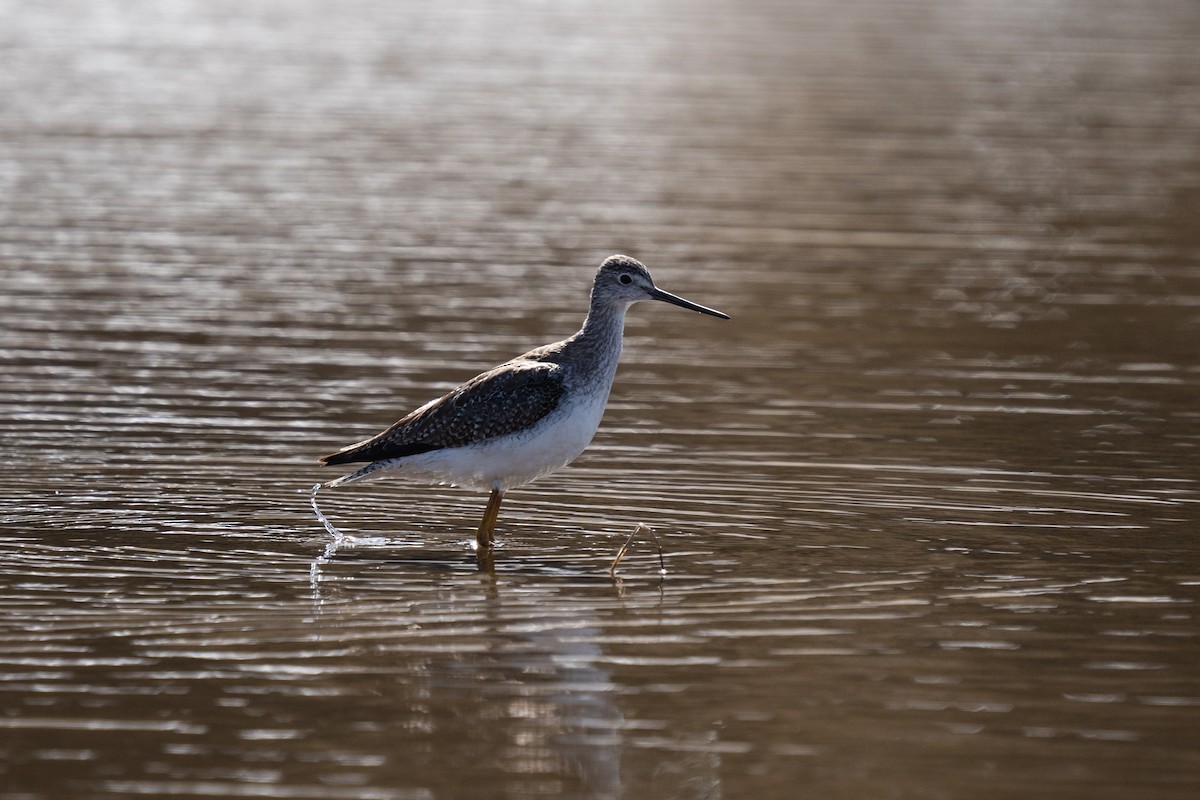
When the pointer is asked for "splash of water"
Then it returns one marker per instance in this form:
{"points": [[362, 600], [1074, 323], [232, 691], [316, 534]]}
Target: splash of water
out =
{"points": [[314, 570]]}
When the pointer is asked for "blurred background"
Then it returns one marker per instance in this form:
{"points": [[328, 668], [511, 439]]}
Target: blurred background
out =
{"points": [[928, 502]]}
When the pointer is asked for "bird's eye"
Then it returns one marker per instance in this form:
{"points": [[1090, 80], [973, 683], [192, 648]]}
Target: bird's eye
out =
{"points": [[626, 279]]}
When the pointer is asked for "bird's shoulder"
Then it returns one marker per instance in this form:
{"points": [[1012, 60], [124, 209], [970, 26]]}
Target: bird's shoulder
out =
{"points": [[546, 354]]}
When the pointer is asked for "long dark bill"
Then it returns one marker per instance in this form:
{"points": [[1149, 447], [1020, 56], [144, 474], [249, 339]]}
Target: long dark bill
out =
{"points": [[667, 297]]}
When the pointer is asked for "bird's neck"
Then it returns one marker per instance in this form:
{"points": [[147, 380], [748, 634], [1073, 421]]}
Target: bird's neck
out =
{"points": [[600, 337]]}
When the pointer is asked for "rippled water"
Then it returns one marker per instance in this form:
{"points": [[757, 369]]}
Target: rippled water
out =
{"points": [[928, 503]]}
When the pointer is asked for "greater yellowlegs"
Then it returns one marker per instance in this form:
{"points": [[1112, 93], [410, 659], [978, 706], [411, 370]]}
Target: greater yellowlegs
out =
{"points": [[523, 419]]}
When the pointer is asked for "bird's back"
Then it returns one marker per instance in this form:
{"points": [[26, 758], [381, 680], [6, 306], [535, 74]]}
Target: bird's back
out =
{"points": [[501, 401]]}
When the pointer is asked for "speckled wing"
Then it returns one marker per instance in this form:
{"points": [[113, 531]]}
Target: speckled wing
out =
{"points": [[501, 401]]}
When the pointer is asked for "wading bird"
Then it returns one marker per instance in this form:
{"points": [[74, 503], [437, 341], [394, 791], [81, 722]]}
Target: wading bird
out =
{"points": [[523, 419]]}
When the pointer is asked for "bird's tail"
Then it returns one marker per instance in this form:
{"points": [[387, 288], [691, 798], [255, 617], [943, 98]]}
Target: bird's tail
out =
{"points": [[358, 474]]}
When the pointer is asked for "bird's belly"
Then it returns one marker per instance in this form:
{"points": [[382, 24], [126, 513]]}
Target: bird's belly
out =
{"points": [[508, 461]]}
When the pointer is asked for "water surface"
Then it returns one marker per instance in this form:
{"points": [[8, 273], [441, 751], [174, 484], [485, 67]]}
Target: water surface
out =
{"points": [[928, 502]]}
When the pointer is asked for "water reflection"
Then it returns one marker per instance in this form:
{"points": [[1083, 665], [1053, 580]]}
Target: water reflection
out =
{"points": [[524, 697]]}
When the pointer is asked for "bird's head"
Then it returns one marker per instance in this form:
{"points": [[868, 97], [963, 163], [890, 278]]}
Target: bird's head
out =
{"points": [[626, 280]]}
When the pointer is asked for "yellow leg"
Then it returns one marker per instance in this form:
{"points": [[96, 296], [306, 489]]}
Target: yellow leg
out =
{"points": [[483, 538]]}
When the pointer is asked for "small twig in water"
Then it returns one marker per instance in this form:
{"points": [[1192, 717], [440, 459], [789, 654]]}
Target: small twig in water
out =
{"points": [[662, 562]]}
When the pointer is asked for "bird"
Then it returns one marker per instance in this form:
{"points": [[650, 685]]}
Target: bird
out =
{"points": [[523, 419]]}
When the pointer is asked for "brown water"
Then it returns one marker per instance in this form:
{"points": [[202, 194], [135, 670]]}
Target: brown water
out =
{"points": [[929, 502]]}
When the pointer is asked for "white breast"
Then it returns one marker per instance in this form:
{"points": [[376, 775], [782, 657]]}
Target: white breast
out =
{"points": [[508, 461]]}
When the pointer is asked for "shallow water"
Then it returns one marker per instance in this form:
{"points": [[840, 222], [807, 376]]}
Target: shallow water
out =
{"points": [[928, 502]]}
